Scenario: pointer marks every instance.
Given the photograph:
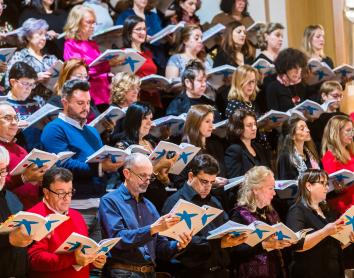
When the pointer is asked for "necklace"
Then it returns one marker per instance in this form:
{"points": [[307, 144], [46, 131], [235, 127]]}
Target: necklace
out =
{"points": [[248, 104]]}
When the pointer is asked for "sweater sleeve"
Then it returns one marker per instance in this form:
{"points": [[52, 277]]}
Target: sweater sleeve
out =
{"points": [[54, 140], [42, 260]]}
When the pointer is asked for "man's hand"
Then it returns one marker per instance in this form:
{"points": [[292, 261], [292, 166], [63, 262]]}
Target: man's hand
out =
{"points": [[81, 258], [33, 174], [185, 239], [19, 237], [109, 166], [100, 261], [163, 223], [231, 240]]}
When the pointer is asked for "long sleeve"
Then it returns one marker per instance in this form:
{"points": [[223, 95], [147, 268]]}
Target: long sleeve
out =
{"points": [[233, 161], [42, 260], [114, 226], [54, 140], [329, 162]]}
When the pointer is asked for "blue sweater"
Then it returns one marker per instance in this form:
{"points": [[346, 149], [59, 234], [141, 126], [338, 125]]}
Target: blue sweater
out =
{"points": [[59, 136], [152, 20]]}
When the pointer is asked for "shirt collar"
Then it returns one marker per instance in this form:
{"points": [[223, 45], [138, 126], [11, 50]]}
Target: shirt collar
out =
{"points": [[126, 194], [71, 121], [53, 210], [190, 194]]}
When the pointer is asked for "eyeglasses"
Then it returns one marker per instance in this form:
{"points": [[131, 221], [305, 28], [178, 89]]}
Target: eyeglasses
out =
{"points": [[63, 195], [349, 133], [4, 172], [205, 182], [28, 85], [80, 76], [90, 22], [10, 118], [143, 178], [336, 96]]}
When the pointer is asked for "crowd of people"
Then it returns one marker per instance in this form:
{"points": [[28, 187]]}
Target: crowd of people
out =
{"points": [[131, 199]]}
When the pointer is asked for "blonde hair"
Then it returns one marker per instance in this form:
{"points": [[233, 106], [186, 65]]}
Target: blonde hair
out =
{"points": [[4, 155], [66, 72], [239, 79], [121, 83], [330, 86], [253, 178], [331, 139], [72, 25], [307, 40]]}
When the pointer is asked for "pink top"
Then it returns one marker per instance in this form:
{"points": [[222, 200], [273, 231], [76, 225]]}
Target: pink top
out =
{"points": [[345, 199], [89, 51]]}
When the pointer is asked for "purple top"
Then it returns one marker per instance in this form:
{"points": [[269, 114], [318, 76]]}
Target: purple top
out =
{"points": [[89, 51]]}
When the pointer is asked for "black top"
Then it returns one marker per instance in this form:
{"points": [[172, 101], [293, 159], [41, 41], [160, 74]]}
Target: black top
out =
{"points": [[201, 253], [56, 22], [238, 160], [282, 98], [265, 57], [322, 260], [182, 103], [223, 58], [13, 261], [286, 169]]}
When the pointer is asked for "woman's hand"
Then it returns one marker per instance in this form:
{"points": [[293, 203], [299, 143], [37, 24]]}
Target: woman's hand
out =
{"points": [[334, 227], [272, 243], [52, 34], [43, 76], [116, 61], [220, 182], [231, 240], [3, 66]]}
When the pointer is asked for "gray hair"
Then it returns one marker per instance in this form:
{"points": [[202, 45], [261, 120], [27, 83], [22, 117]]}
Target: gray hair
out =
{"points": [[4, 155], [31, 26], [135, 159]]}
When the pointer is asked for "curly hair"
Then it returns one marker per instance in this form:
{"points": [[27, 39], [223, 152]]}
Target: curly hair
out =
{"points": [[290, 58], [267, 29], [121, 83], [227, 6], [253, 178]]}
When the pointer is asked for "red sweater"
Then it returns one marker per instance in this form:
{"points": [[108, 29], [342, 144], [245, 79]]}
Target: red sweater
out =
{"points": [[344, 200], [27, 193], [43, 261]]}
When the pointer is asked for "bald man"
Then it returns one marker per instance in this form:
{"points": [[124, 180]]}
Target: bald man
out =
{"points": [[125, 213]]}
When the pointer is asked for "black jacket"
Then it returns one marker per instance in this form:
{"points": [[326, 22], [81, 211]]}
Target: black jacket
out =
{"points": [[238, 160], [201, 254], [13, 262]]}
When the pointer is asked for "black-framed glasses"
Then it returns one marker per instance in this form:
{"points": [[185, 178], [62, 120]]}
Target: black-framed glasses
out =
{"points": [[143, 178], [63, 195]]}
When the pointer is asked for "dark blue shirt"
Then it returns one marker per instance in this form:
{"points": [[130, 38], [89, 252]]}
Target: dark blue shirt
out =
{"points": [[121, 215]]}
